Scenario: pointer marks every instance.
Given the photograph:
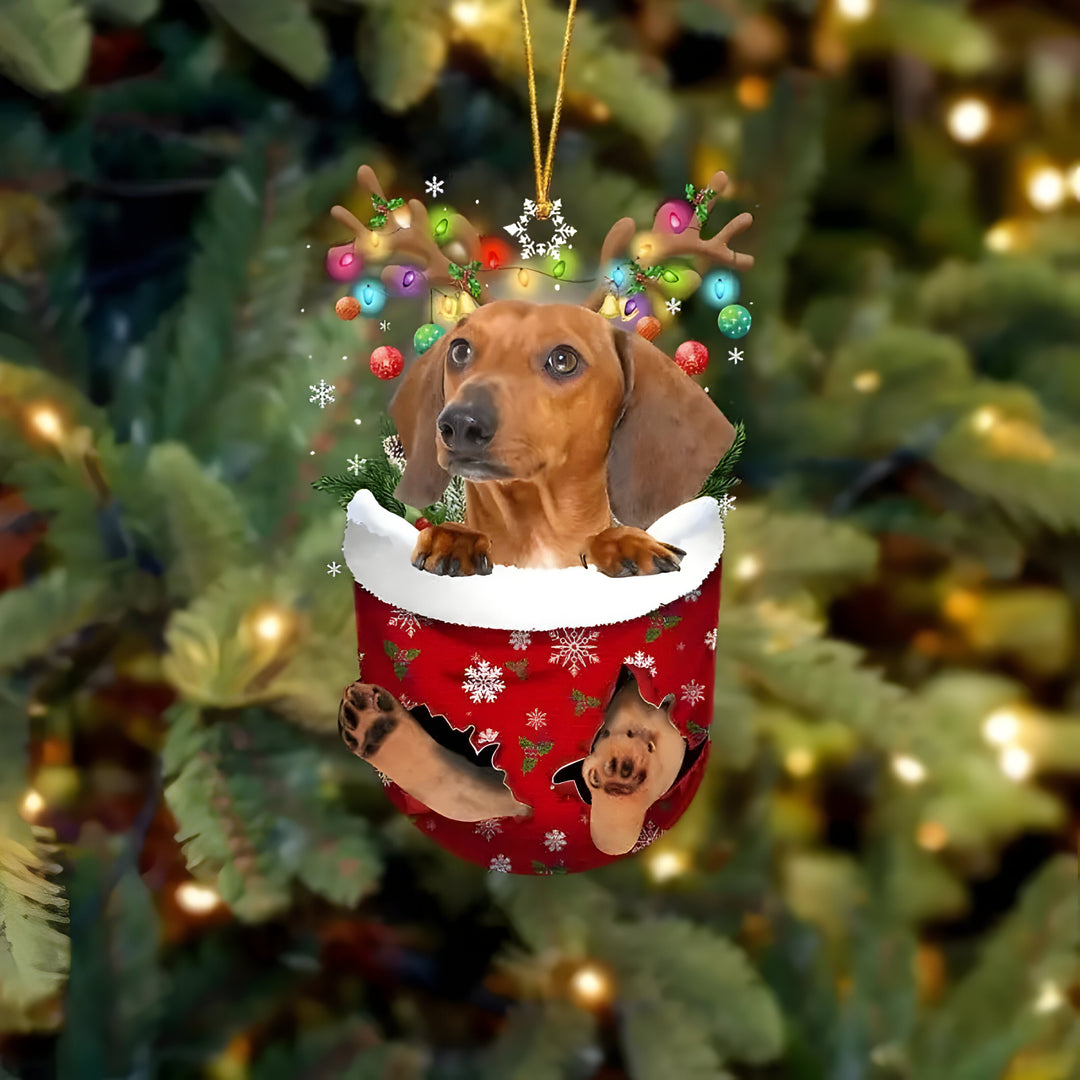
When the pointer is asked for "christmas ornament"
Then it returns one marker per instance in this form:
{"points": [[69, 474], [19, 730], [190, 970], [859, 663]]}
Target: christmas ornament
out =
{"points": [[426, 336], [720, 288], [405, 281], [734, 321], [343, 264], [348, 307], [386, 362], [649, 327], [371, 296], [692, 357], [675, 215]]}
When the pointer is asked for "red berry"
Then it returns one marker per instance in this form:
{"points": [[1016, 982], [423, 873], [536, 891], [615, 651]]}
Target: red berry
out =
{"points": [[422, 523], [387, 362], [692, 357]]}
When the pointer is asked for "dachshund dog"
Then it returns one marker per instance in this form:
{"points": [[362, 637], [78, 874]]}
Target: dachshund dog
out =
{"points": [[572, 436]]}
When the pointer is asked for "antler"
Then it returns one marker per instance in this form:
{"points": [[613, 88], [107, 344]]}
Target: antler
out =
{"points": [[412, 239], [659, 245]]}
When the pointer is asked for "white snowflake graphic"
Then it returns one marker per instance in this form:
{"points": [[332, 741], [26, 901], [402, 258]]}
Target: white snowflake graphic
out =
{"points": [[384, 325], [674, 306], [649, 834], [482, 682], [323, 393], [640, 659], [574, 649], [487, 735], [434, 187], [693, 692], [693, 595], [333, 569], [406, 621], [487, 829], [384, 778], [735, 355], [536, 719], [356, 463], [559, 239], [407, 702], [500, 865], [727, 503], [681, 646], [520, 639], [555, 840], [710, 639]]}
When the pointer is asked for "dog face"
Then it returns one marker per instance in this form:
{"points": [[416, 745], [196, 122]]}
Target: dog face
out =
{"points": [[549, 393]]}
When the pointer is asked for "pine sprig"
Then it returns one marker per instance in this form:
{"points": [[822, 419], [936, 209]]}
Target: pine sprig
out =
{"points": [[722, 479]]}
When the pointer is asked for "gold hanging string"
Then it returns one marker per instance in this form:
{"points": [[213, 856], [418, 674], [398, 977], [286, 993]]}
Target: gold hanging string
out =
{"points": [[544, 164]]}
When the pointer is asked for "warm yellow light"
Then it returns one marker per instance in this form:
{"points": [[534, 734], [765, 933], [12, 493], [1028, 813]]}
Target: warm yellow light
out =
{"points": [[984, 418], [961, 605], [909, 769], [748, 568], [753, 91], [1002, 237], [467, 13], [523, 278], [1001, 727], [197, 899], [32, 804], [665, 865], [932, 836], [46, 421], [1072, 178], [449, 306], [590, 985], [1046, 188], [855, 10], [866, 382], [799, 761], [1015, 762], [1050, 998], [968, 120], [270, 626]]}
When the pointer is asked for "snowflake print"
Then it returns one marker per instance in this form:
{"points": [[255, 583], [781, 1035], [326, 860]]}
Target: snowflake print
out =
{"points": [[559, 239], [383, 778], [693, 595], [573, 649], [673, 306], [487, 829], [649, 834], [434, 187], [693, 692], [384, 325], [710, 639], [536, 719], [735, 355], [323, 393], [727, 502], [406, 621], [555, 840], [482, 682], [520, 639], [640, 659], [333, 569], [356, 463], [500, 865], [487, 735]]}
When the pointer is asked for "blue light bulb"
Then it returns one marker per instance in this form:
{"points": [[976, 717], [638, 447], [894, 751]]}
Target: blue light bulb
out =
{"points": [[720, 288]]}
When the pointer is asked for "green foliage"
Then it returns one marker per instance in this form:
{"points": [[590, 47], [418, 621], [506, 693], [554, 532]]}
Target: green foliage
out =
{"points": [[403, 49], [540, 1041], [722, 479], [44, 44], [352, 1050]]}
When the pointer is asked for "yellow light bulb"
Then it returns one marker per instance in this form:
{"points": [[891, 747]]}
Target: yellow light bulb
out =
{"points": [[1046, 188], [799, 761], [1001, 727], [270, 626], [1050, 998], [1016, 763], [590, 985], [855, 10], [196, 899], [46, 422], [467, 13], [1002, 237], [968, 119], [984, 418], [932, 836], [665, 865], [32, 804], [910, 770], [867, 382], [748, 568]]}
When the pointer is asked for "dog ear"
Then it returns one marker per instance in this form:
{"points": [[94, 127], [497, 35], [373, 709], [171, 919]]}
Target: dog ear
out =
{"points": [[414, 410], [669, 439]]}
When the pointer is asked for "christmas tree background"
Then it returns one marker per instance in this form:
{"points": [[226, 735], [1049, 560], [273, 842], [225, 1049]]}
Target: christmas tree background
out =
{"points": [[878, 878]]}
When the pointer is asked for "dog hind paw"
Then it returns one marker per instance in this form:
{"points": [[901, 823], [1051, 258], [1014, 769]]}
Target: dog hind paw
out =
{"points": [[366, 717]]}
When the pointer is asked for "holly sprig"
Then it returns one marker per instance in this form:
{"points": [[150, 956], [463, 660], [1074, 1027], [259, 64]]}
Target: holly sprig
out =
{"points": [[640, 276], [382, 208], [699, 199], [466, 278]]}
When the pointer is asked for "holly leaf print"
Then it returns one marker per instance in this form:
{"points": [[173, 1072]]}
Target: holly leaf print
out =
{"points": [[533, 752], [583, 702], [542, 868], [389, 648], [696, 729], [519, 667]]}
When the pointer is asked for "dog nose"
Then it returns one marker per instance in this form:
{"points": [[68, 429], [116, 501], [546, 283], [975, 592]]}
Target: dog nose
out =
{"points": [[467, 426]]}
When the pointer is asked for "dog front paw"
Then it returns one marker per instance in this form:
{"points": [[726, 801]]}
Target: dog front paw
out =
{"points": [[453, 550], [366, 716], [623, 551]]}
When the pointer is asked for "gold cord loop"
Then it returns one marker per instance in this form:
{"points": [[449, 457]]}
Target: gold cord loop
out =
{"points": [[542, 162]]}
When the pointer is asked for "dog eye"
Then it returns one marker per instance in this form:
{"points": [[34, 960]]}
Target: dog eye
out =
{"points": [[562, 360], [460, 352]]}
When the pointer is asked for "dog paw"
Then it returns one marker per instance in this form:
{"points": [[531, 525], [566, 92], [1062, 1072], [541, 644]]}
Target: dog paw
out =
{"points": [[453, 550], [366, 716], [623, 551]]}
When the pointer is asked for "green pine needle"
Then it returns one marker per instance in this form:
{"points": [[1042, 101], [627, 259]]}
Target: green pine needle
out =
{"points": [[722, 479]]}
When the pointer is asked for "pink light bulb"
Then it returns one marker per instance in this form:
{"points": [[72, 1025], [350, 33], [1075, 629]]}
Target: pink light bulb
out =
{"points": [[674, 216], [343, 264]]}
